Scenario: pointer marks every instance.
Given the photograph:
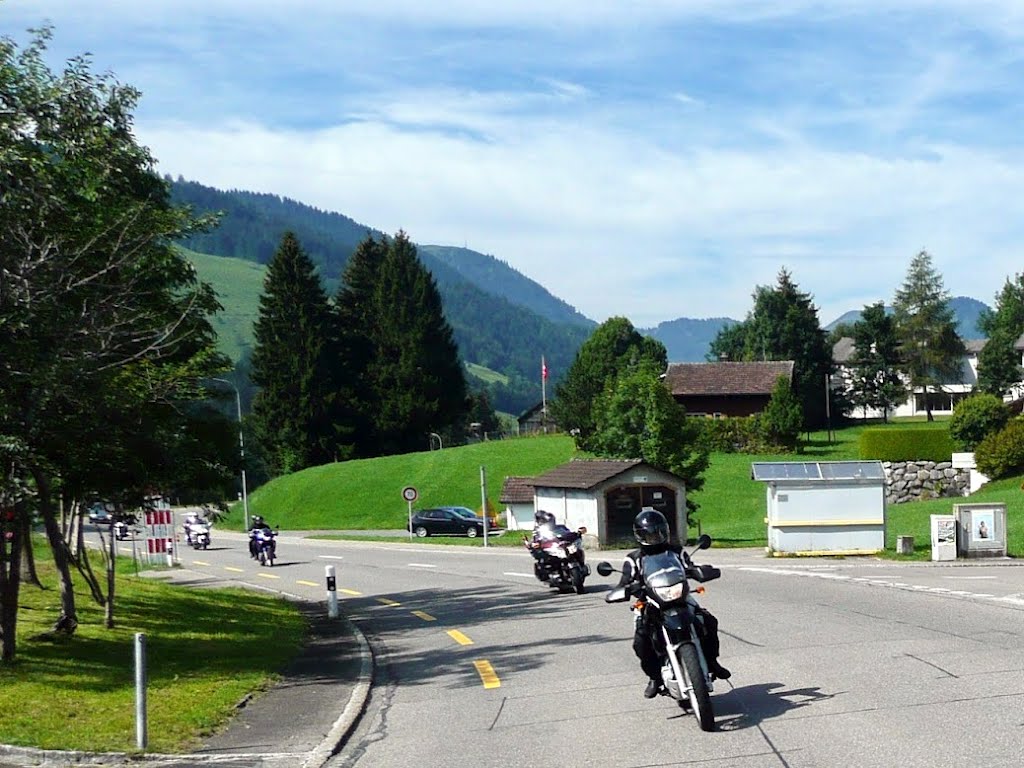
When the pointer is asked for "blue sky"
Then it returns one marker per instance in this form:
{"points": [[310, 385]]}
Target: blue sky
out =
{"points": [[652, 159]]}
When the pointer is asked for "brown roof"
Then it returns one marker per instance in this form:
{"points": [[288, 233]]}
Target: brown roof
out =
{"points": [[755, 378], [517, 490], [584, 473]]}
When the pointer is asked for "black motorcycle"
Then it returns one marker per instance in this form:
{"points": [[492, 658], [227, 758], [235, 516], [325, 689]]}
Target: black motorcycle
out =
{"points": [[664, 596], [559, 558]]}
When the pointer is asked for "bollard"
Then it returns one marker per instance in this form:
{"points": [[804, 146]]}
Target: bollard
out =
{"points": [[904, 545], [141, 738], [170, 553], [332, 593]]}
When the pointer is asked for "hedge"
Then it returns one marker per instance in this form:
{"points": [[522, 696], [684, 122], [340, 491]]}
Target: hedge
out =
{"points": [[906, 445]]}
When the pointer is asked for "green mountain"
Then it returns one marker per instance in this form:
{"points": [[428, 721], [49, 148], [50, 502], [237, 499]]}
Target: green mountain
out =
{"points": [[965, 309], [503, 325], [688, 340]]}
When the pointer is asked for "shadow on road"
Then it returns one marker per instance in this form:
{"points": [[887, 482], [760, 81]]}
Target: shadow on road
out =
{"points": [[750, 705]]}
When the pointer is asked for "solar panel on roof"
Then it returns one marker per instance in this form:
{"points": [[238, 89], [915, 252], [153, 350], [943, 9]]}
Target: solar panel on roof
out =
{"points": [[817, 470]]}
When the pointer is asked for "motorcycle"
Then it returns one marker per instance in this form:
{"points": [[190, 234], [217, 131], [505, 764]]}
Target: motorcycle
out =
{"points": [[266, 547], [122, 527], [665, 590], [198, 534], [560, 561]]}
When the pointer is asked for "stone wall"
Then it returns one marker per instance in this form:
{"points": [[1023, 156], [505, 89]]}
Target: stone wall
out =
{"points": [[919, 480]]}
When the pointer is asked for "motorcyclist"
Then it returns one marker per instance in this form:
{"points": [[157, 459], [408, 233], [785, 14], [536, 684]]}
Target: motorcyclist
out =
{"points": [[543, 529], [650, 528], [257, 523]]}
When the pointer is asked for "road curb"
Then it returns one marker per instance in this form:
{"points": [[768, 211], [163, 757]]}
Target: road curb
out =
{"points": [[349, 718]]}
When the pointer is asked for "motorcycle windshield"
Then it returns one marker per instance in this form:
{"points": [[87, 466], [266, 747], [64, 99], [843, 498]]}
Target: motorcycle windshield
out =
{"points": [[663, 570]]}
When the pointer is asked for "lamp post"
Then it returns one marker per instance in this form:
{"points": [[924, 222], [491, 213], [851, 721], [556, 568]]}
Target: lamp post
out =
{"points": [[241, 448]]}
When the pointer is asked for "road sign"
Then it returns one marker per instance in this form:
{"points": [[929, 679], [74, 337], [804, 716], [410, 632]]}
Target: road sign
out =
{"points": [[410, 494]]}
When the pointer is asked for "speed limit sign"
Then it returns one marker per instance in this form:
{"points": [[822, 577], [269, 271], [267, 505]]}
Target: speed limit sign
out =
{"points": [[409, 493]]}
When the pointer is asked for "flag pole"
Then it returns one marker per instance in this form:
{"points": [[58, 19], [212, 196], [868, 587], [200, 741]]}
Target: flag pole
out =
{"points": [[544, 393]]}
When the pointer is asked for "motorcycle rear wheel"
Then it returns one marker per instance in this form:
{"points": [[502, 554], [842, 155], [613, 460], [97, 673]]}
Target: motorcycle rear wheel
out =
{"points": [[700, 698]]}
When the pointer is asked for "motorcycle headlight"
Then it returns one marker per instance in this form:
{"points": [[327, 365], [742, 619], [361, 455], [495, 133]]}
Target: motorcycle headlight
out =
{"points": [[670, 593], [557, 552]]}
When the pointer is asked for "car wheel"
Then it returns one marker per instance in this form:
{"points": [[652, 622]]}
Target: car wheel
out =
{"points": [[421, 532], [471, 532]]}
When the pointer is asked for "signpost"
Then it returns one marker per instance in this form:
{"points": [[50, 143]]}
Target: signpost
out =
{"points": [[410, 494]]}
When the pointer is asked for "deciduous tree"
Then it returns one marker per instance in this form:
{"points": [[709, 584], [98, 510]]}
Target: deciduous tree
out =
{"points": [[875, 363], [999, 368]]}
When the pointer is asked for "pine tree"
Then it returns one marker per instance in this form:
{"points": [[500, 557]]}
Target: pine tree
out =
{"points": [[784, 325], [876, 381], [999, 366], [931, 348], [290, 363], [357, 328], [415, 372]]}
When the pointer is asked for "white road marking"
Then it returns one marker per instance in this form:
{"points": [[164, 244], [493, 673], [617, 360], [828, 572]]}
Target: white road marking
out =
{"points": [[332, 557], [513, 573], [968, 578], [421, 565]]}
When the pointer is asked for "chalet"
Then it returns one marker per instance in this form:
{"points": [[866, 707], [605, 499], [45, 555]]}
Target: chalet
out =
{"points": [[536, 419], [725, 388]]}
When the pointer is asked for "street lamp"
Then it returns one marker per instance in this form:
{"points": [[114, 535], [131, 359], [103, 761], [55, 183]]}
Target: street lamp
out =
{"points": [[241, 448]]}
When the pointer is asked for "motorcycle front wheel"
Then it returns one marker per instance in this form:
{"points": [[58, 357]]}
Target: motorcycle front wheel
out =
{"points": [[577, 579], [700, 698]]}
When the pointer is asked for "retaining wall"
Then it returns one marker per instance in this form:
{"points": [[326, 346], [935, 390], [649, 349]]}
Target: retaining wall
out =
{"points": [[919, 480]]}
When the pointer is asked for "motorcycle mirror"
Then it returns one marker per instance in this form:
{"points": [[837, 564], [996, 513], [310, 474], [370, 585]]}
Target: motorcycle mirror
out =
{"points": [[605, 568], [704, 541]]}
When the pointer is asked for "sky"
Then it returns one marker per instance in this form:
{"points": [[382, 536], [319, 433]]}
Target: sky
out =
{"points": [[652, 159]]}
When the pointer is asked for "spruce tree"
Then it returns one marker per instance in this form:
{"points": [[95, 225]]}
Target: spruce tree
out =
{"points": [[931, 349], [290, 364], [876, 381], [415, 372], [999, 368]]}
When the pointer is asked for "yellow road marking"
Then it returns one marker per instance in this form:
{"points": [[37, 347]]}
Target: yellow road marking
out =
{"points": [[350, 592], [424, 616], [458, 637], [199, 562], [385, 601], [268, 576], [236, 570], [486, 672], [306, 583]]}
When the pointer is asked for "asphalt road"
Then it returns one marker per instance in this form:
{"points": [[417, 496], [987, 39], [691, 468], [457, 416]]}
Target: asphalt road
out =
{"points": [[861, 662]]}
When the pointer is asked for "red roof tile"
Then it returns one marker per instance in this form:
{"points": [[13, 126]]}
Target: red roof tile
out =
{"points": [[517, 490]]}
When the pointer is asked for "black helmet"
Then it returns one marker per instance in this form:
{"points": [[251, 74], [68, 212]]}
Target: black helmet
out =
{"points": [[650, 528], [257, 521], [543, 518]]}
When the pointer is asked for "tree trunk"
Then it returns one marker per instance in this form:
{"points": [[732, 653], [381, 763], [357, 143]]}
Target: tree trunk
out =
{"points": [[10, 583], [28, 560], [108, 614], [67, 622]]}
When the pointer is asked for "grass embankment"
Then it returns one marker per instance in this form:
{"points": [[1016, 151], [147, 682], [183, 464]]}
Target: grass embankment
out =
{"points": [[206, 649], [365, 494]]}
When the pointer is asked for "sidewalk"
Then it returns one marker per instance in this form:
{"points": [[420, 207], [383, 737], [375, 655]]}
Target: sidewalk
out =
{"points": [[300, 722]]}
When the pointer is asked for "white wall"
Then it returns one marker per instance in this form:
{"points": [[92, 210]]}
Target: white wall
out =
{"points": [[572, 508]]}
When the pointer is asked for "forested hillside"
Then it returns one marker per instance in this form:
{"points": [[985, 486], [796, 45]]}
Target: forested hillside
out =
{"points": [[491, 328]]}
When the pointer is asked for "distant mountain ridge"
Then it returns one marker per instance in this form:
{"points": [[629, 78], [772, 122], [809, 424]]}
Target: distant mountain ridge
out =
{"points": [[688, 340], [965, 309]]}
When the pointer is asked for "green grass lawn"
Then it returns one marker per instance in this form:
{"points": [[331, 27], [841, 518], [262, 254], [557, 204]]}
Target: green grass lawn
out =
{"points": [[206, 649], [366, 494]]}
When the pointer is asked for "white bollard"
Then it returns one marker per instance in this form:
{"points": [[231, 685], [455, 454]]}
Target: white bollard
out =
{"points": [[141, 738], [332, 593]]}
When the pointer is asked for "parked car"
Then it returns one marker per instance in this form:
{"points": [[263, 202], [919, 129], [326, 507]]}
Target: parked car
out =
{"points": [[447, 521]]}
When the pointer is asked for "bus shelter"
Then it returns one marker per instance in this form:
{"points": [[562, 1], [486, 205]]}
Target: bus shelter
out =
{"points": [[823, 507]]}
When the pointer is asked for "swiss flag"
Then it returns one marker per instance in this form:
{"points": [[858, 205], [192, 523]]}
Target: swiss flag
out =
{"points": [[543, 369]]}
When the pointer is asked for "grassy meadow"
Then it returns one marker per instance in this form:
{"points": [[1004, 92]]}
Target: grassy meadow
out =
{"points": [[365, 495], [206, 649], [239, 284]]}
